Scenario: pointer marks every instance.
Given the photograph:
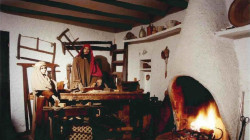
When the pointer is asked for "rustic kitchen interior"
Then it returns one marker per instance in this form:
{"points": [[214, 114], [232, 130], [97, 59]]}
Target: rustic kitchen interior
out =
{"points": [[171, 69]]}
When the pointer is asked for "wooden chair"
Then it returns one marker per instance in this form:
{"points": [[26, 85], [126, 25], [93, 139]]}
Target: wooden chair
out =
{"points": [[29, 118]]}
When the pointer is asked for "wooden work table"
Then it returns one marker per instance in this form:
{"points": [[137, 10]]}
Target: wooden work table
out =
{"points": [[126, 105], [103, 95]]}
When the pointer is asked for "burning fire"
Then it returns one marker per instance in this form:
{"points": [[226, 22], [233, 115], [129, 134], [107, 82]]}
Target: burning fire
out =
{"points": [[206, 119]]}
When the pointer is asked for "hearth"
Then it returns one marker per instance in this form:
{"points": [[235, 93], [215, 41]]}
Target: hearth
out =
{"points": [[187, 134], [195, 110]]}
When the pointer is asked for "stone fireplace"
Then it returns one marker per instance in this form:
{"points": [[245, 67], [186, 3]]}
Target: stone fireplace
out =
{"points": [[208, 60]]}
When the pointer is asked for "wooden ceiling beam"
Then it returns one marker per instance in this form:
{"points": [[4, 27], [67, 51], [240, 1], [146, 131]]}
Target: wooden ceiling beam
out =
{"points": [[148, 3], [7, 8], [176, 3], [85, 25], [75, 7], [149, 10], [105, 8], [60, 11], [106, 15]]}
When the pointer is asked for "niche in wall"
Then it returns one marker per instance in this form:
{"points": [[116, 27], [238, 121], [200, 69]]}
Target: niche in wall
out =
{"points": [[145, 74]]}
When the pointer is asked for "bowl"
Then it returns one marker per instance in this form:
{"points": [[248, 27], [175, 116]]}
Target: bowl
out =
{"points": [[171, 23]]}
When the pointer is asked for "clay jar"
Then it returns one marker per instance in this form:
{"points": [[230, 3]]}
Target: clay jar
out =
{"points": [[154, 30], [160, 28]]}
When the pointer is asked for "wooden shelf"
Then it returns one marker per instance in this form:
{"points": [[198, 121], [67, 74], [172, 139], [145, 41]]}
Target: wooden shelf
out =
{"points": [[146, 70], [235, 33], [159, 35], [146, 60], [145, 65]]}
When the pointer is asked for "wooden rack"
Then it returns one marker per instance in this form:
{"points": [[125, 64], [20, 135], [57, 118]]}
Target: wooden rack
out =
{"points": [[37, 49], [77, 45]]}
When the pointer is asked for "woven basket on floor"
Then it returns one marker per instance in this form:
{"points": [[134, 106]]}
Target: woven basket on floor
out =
{"points": [[83, 132]]}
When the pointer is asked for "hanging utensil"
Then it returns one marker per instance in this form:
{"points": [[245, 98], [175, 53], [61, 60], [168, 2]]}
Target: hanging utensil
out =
{"points": [[244, 122]]}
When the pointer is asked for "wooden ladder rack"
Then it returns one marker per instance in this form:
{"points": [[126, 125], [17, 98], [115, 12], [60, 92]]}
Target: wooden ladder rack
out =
{"points": [[124, 63]]}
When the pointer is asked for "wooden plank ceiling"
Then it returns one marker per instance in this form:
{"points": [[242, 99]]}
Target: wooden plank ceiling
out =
{"points": [[106, 15]]}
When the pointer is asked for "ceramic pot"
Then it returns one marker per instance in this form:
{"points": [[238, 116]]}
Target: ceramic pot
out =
{"points": [[160, 28]]}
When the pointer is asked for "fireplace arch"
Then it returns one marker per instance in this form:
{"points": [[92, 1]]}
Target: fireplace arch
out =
{"points": [[190, 100]]}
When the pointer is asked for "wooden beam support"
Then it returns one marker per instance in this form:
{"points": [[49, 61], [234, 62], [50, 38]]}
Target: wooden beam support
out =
{"points": [[99, 48], [141, 8], [7, 8], [106, 15], [89, 42], [88, 10], [148, 3], [176, 3], [106, 8]]}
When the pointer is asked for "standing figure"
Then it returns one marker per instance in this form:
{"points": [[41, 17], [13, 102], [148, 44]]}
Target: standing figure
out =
{"points": [[85, 70], [165, 56]]}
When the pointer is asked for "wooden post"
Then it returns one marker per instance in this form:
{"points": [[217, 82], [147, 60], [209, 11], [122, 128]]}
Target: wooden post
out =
{"points": [[37, 44], [125, 61], [18, 46], [27, 107]]}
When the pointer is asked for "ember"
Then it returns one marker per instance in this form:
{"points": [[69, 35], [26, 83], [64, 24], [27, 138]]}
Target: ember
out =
{"points": [[195, 135]]}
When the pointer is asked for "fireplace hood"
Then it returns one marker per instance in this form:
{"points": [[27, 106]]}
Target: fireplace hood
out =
{"points": [[210, 60], [195, 109]]}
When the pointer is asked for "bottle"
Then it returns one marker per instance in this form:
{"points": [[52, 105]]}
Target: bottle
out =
{"points": [[149, 30], [154, 29], [142, 32]]}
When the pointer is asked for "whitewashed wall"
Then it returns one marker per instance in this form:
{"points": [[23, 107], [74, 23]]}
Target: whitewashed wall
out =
{"points": [[47, 31], [217, 63], [158, 82], [237, 53], [242, 49], [210, 60]]}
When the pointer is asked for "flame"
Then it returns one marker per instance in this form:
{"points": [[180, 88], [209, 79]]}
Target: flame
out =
{"points": [[206, 119]]}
